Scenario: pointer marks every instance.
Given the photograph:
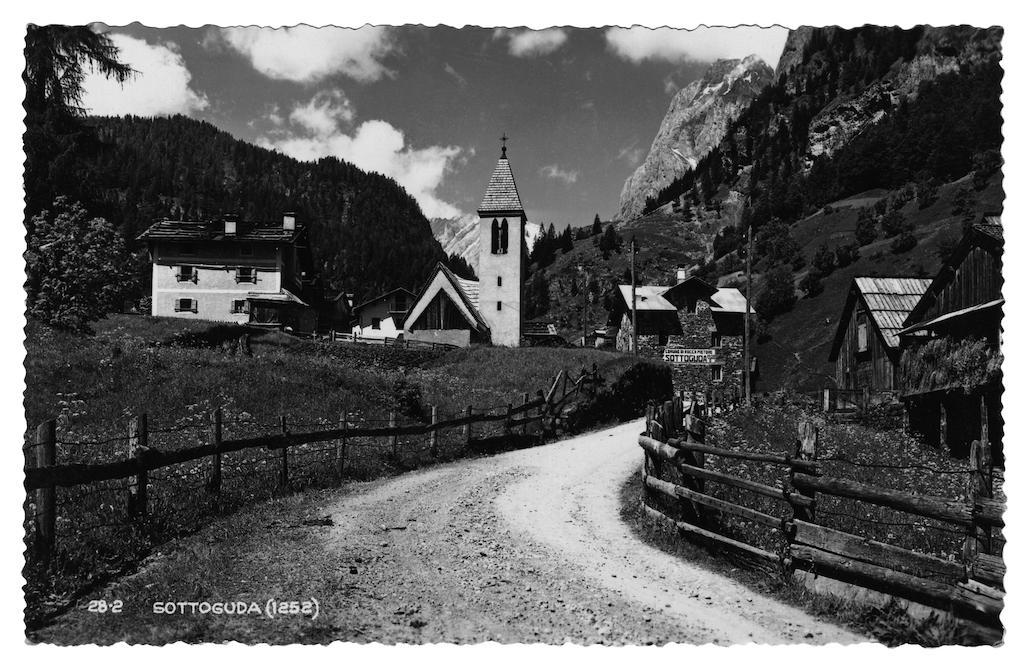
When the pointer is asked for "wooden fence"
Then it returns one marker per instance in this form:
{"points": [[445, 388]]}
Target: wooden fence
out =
{"points": [[44, 477], [388, 341], [675, 479]]}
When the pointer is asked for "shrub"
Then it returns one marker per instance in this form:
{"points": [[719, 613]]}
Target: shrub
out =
{"points": [[810, 285], [893, 223], [846, 254], [985, 164], [628, 386], [865, 231], [778, 295], [824, 260], [903, 242]]}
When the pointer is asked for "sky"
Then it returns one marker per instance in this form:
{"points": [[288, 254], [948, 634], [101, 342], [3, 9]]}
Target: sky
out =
{"points": [[427, 106]]}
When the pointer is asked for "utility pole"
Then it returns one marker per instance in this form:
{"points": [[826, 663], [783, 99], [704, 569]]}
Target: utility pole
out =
{"points": [[746, 320], [586, 299], [632, 279]]}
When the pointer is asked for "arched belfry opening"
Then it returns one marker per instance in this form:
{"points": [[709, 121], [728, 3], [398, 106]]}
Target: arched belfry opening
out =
{"points": [[495, 237]]}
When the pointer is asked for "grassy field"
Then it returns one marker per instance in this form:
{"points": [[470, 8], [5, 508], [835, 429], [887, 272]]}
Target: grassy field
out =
{"points": [[178, 372]]}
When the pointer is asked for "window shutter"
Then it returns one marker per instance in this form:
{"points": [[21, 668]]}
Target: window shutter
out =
{"points": [[177, 305]]}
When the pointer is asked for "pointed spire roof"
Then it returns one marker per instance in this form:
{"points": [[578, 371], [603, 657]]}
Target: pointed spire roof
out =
{"points": [[502, 194]]}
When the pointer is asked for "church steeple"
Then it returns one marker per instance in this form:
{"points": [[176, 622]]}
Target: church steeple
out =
{"points": [[502, 254], [502, 194]]}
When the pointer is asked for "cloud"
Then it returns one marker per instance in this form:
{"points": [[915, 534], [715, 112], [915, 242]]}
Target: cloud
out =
{"points": [[162, 85], [324, 113], [324, 127], [455, 74], [638, 44], [554, 172], [526, 43], [305, 54]]}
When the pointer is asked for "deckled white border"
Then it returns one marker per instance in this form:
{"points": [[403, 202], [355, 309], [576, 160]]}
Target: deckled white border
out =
{"points": [[536, 14]]}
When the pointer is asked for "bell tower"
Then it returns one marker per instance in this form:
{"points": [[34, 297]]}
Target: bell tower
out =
{"points": [[502, 255]]}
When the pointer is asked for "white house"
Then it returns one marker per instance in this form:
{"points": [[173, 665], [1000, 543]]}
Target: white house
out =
{"points": [[231, 271]]}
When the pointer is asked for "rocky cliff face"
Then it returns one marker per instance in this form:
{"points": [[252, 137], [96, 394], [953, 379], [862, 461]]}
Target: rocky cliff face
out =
{"points": [[696, 120], [459, 236], [939, 50]]}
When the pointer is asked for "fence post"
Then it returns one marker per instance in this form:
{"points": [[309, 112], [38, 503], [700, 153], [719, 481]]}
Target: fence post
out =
{"points": [[526, 412], [943, 432], [979, 537], [282, 479], [392, 424], [807, 450], [138, 443], [467, 430], [45, 498], [343, 443], [508, 420], [433, 432], [215, 477]]}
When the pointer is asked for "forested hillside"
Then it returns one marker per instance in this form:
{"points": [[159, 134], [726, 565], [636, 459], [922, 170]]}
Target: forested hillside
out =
{"points": [[367, 233]]}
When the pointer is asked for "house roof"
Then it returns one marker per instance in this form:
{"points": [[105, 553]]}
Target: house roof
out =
{"points": [[214, 230], [648, 297], [652, 297], [990, 225], [888, 301], [383, 296], [730, 300], [466, 291], [284, 296], [502, 194]]}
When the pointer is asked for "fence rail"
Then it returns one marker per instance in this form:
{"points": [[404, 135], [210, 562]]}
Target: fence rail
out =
{"points": [[675, 475], [272, 454]]}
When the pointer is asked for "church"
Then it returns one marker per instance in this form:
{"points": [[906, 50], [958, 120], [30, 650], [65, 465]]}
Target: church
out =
{"points": [[456, 311]]}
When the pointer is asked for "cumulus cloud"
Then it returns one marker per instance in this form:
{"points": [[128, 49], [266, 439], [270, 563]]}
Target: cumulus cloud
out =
{"points": [[526, 43], [638, 44], [324, 113], [162, 85], [325, 127], [554, 172], [307, 55]]}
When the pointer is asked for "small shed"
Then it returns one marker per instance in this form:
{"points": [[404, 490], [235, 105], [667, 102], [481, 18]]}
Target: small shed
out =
{"points": [[866, 346]]}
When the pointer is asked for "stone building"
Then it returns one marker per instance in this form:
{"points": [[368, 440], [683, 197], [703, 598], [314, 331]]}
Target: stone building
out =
{"points": [[697, 329]]}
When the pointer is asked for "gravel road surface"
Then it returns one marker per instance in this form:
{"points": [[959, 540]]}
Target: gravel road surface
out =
{"points": [[529, 546]]}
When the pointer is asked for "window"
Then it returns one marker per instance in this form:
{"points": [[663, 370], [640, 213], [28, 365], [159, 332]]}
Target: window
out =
{"points": [[862, 337], [504, 237], [186, 305], [495, 235], [187, 274], [716, 373], [716, 339], [245, 250], [238, 306], [499, 280], [499, 306], [375, 323], [245, 275]]}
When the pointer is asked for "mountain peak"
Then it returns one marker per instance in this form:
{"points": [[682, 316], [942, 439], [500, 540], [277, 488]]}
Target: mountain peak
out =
{"points": [[696, 119]]}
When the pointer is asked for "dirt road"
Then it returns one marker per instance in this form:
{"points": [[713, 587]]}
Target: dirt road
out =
{"points": [[529, 546]]}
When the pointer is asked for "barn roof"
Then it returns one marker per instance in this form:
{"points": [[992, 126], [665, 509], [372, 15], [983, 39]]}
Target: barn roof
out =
{"points": [[729, 299], [502, 194], [888, 300], [384, 295], [247, 231]]}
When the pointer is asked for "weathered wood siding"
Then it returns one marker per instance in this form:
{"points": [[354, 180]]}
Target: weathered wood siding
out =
{"points": [[976, 281], [874, 368]]}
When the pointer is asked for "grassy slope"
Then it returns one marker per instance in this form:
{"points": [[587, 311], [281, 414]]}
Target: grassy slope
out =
{"points": [[797, 353]]}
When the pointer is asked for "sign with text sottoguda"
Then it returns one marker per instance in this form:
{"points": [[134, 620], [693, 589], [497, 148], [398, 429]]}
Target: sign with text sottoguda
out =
{"points": [[264, 198], [704, 356]]}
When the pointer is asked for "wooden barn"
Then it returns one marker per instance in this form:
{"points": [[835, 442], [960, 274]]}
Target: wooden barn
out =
{"points": [[953, 343], [866, 347]]}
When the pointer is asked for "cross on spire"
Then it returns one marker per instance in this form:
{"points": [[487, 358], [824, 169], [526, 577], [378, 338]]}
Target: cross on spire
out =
{"points": [[504, 139]]}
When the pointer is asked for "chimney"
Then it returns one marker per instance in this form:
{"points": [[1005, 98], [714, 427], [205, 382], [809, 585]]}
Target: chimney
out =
{"points": [[288, 223], [680, 274], [230, 224]]}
